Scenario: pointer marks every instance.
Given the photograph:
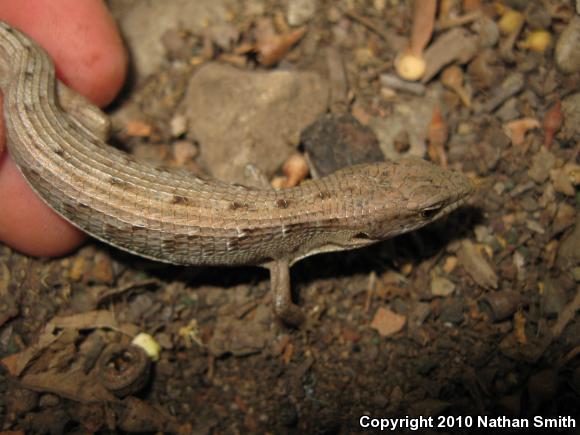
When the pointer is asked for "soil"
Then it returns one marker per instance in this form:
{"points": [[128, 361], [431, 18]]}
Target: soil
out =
{"points": [[473, 316]]}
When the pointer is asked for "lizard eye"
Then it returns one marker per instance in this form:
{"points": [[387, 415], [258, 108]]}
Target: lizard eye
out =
{"points": [[430, 212]]}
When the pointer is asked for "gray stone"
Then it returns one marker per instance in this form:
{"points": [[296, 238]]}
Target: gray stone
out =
{"points": [[143, 24], [300, 11], [246, 117]]}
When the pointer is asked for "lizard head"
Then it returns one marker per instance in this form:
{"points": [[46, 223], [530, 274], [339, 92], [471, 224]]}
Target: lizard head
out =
{"points": [[411, 193]]}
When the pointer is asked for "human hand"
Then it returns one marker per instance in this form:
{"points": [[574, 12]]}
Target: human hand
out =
{"points": [[83, 41]]}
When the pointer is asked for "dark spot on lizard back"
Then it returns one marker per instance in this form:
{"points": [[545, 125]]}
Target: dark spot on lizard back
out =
{"points": [[238, 205], [282, 203], [181, 200], [115, 181], [30, 172], [58, 151], [323, 195]]}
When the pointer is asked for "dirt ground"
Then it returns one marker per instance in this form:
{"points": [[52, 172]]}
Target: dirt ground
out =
{"points": [[475, 315]]}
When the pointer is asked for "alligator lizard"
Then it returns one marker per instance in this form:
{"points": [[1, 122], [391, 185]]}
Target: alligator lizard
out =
{"points": [[179, 218]]}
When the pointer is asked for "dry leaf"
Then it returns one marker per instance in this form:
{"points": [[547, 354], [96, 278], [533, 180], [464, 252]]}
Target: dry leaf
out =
{"points": [[272, 47], [553, 120], [517, 129], [476, 265]]}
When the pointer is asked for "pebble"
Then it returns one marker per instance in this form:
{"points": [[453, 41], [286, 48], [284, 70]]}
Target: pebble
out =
{"points": [[562, 182], [178, 125], [576, 273], [567, 53], [334, 142], [452, 311], [300, 11], [387, 322], [564, 218], [441, 286], [569, 249], [501, 305], [250, 117], [571, 115], [553, 297], [542, 163], [183, 151]]}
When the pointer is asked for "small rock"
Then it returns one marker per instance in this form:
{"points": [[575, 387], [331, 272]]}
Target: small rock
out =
{"points": [[387, 322], [452, 311], [553, 297], [569, 250], [567, 53], [576, 273], [178, 125], [512, 85], [501, 305], [538, 17], [520, 263], [562, 182], [334, 142], [241, 117], [450, 264], [488, 32], [300, 11], [380, 5], [137, 128], [254, 8], [242, 337], [542, 162], [572, 170], [183, 151], [571, 115], [223, 35], [102, 270], [421, 311], [144, 24], [164, 340], [564, 218], [509, 110], [441, 286], [177, 44]]}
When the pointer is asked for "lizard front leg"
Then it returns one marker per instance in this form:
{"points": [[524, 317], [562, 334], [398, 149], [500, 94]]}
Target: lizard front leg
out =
{"points": [[284, 308]]}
